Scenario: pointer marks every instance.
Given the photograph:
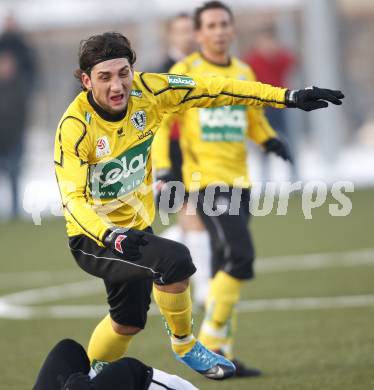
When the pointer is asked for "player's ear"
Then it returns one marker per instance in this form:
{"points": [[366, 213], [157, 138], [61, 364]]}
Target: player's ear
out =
{"points": [[233, 31], [86, 81], [198, 36]]}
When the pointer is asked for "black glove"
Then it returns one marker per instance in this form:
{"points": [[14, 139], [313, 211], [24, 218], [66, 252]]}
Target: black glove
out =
{"points": [[312, 98], [164, 175], [125, 242], [279, 147], [78, 381]]}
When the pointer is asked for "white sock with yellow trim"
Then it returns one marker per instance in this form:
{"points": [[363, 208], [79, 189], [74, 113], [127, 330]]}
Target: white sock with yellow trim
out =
{"points": [[198, 242], [216, 329]]}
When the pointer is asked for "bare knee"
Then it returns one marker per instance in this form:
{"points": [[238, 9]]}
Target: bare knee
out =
{"points": [[126, 330], [190, 222], [174, 288]]}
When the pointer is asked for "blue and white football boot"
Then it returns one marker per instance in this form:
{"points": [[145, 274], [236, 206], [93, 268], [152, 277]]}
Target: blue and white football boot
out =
{"points": [[207, 363]]}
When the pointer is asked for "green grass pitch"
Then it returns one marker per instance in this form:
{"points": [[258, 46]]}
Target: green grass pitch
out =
{"points": [[322, 348]]}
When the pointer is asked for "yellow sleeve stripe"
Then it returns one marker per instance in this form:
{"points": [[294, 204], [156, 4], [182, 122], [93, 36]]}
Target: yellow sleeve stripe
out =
{"points": [[144, 83], [61, 162], [76, 220], [76, 146], [66, 207], [190, 89], [164, 89], [186, 98]]}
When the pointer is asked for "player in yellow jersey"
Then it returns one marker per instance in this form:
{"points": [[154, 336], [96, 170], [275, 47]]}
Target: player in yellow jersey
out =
{"points": [[103, 169], [227, 128], [213, 144]]}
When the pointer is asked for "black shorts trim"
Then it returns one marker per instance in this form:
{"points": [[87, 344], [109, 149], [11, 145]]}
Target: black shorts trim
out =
{"points": [[133, 264], [129, 284]]}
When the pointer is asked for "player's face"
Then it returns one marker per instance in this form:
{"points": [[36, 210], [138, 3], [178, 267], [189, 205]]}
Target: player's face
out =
{"points": [[110, 82], [216, 31], [182, 35]]}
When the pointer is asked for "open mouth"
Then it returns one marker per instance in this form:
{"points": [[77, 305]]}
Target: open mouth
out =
{"points": [[117, 98]]}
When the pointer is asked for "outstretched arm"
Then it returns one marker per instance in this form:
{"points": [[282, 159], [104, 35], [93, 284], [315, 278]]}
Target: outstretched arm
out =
{"points": [[178, 93]]}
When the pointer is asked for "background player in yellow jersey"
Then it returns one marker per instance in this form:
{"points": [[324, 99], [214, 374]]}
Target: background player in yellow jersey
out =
{"points": [[213, 143], [215, 32], [103, 169]]}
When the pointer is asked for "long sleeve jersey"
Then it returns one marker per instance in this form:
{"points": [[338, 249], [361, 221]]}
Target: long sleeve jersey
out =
{"points": [[213, 139], [103, 168]]}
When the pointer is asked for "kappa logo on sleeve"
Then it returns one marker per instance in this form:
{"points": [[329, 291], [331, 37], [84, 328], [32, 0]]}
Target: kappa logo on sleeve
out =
{"points": [[96, 367], [137, 93], [102, 147], [180, 81]]}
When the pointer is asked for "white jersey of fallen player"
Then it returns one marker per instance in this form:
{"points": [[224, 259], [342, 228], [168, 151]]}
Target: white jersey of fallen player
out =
{"points": [[162, 380]]}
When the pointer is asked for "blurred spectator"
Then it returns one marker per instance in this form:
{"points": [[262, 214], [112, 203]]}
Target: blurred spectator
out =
{"points": [[272, 64], [13, 41], [17, 74], [181, 37]]}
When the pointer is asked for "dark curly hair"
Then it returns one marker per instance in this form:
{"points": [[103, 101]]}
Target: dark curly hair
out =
{"points": [[103, 47], [207, 6]]}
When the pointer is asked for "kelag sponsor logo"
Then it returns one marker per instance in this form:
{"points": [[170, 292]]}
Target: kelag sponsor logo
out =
{"points": [[226, 124], [137, 93], [122, 175], [181, 81]]}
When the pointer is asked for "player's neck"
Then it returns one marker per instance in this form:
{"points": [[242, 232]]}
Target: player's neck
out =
{"points": [[220, 59], [107, 116]]}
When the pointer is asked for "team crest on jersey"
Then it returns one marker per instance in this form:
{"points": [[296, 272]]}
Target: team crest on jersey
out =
{"points": [[139, 120], [102, 147]]}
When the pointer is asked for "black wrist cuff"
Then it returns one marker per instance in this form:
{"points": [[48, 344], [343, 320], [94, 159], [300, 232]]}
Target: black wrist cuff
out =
{"points": [[106, 235], [290, 98]]}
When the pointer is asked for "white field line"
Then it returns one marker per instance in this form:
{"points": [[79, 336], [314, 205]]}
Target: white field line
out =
{"points": [[277, 264], [55, 293], [36, 278], [259, 305], [363, 257], [14, 305], [306, 303], [360, 257]]}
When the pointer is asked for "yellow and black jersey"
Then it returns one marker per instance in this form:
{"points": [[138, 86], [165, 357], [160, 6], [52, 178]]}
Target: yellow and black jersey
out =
{"points": [[103, 167], [213, 139]]}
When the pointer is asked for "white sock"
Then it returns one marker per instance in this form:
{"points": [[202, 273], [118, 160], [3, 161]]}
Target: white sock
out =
{"points": [[174, 233], [198, 243], [161, 380]]}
